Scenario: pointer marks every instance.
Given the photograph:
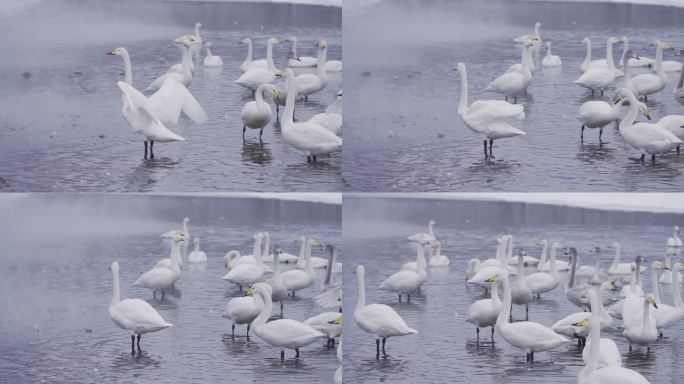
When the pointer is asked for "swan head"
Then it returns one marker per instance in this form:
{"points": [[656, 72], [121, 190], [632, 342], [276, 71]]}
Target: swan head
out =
{"points": [[614, 40], [121, 51], [657, 265], [548, 44], [179, 236], [609, 286], [337, 321], [650, 299], [537, 24], [339, 94], [198, 25], [330, 248], [596, 250], [115, 267], [185, 40], [266, 235], [209, 44], [273, 40], [461, 68], [614, 245], [300, 239], [675, 229], [580, 323], [287, 73], [322, 44], [195, 241], [273, 89], [228, 257], [360, 271], [291, 39], [258, 236], [436, 244], [432, 222], [312, 242], [585, 41], [186, 220], [624, 40], [532, 41], [246, 41], [542, 242]]}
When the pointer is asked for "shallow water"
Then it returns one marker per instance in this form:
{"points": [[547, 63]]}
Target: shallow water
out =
{"points": [[410, 137], [444, 350], [55, 287], [61, 127]]}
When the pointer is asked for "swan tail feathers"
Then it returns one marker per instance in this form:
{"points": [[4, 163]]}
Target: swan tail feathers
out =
{"points": [[411, 331]]}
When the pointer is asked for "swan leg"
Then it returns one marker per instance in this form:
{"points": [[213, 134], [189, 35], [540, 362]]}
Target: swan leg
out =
{"points": [[527, 312], [630, 347], [408, 297], [643, 157], [400, 298], [296, 352], [486, 155], [281, 308], [154, 293], [492, 335], [282, 354], [383, 346], [491, 150], [477, 332], [132, 344], [139, 350], [152, 155], [244, 128], [162, 294], [377, 348], [532, 357], [308, 159], [313, 158], [332, 342], [602, 92], [678, 149], [515, 99], [232, 329], [600, 133], [145, 142], [248, 330], [653, 158], [261, 133]]}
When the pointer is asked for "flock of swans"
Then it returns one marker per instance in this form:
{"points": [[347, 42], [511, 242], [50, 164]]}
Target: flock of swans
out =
{"points": [[643, 314], [494, 119], [267, 284], [169, 96]]}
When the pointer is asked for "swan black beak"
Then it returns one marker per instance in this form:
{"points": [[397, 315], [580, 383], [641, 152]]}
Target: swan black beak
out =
{"points": [[110, 53]]}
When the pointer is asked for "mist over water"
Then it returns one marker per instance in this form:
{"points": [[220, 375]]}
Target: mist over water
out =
{"points": [[444, 350], [61, 127], [410, 138]]}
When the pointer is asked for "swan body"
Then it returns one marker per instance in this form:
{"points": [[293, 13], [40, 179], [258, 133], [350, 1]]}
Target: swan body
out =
{"points": [[488, 118], [407, 281], [197, 256], [526, 335], [133, 315], [255, 77], [244, 309], [545, 265], [521, 293], [596, 79], [379, 320], [678, 92], [551, 60], [210, 60], [184, 77], [297, 279], [667, 315], [483, 313], [573, 324], [329, 323], [300, 61], [609, 356], [513, 83], [645, 331], [647, 138], [191, 64], [309, 83], [333, 66], [308, 136], [282, 333], [438, 260], [256, 114], [542, 282], [576, 294], [330, 121], [647, 83], [244, 275], [423, 237], [617, 268], [163, 278], [278, 287]]}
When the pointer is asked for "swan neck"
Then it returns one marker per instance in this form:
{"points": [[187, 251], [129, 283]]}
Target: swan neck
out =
{"points": [[197, 247], [587, 58], [175, 254], [573, 269], [186, 64], [322, 58], [524, 61], [646, 316], [269, 57], [659, 61], [509, 255], [676, 294], [680, 82], [249, 53], [654, 285], [257, 253], [288, 116], [265, 311], [626, 122], [301, 260], [309, 267], [554, 271], [495, 293], [609, 55], [267, 246], [548, 51], [197, 32], [116, 297], [594, 338], [128, 70], [542, 258], [420, 261], [361, 296], [209, 53], [463, 103], [506, 309]]}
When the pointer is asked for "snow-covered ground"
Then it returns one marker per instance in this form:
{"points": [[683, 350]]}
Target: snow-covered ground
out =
{"points": [[638, 202]]}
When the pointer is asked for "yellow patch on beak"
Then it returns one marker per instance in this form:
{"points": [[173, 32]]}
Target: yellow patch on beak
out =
{"points": [[579, 323], [491, 279], [250, 291], [338, 320]]}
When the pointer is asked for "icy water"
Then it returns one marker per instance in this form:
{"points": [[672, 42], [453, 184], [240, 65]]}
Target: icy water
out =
{"points": [[410, 138], [61, 127], [444, 350], [56, 287]]}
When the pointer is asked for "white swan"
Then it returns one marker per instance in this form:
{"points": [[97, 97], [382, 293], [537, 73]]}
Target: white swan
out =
{"points": [[648, 83], [544, 265], [175, 251], [575, 293], [551, 60], [673, 124], [499, 262], [337, 377], [488, 118], [331, 286], [647, 138], [186, 56], [407, 281], [197, 47], [300, 61], [420, 255], [184, 77], [644, 332], [521, 293], [308, 83], [133, 315], [627, 81], [573, 325], [526, 335], [256, 114], [596, 79], [185, 231], [162, 278], [233, 257], [622, 270], [147, 116], [527, 259], [379, 320], [329, 323], [278, 287], [282, 333], [259, 63], [257, 75], [306, 136], [612, 374], [332, 117], [518, 67], [298, 279], [667, 315], [243, 310], [542, 282], [248, 62], [423, 237], [483, 313], [608, 62], [674, 244], [438, 259], [514, 83], [598, 113], [197, 256], [525, 38], [210, 60], [245, 274], [635, 61]]}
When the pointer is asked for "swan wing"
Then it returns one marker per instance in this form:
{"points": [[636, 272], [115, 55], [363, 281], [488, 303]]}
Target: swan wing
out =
{"points": [[609, 375], [382, 319], [137, 316], [331, 297], [492, 110], [173, 98], [530, 333]]}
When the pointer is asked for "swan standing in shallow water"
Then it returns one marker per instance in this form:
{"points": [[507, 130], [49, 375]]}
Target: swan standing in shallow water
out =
{"points": [[332, 117], [599, 78], [678, 92], [542, 282], [667, 315], [278, 287], [197, 256], [379, 320], [648, 83], [613, 374], [282, 333], [163, 278], [514, 83], [308, 83], [185, 75], [489, 118], [608, 62], [437, 259], [598, 113], [423, 237], [256, 74], [245, 274], [526, 335], [647, 138], [147, 116], [243, 310], [256, 114], [643, 332], [551, 60], [521, 293], [133, 315], [304, 61], [407, 281], [573, 325], [297, 279], [483, 313], [305, 136], [210, 60], [330, 323]]}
